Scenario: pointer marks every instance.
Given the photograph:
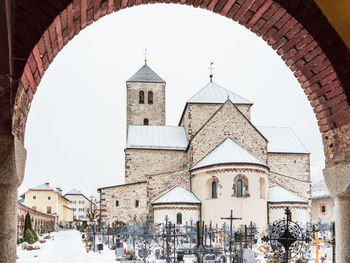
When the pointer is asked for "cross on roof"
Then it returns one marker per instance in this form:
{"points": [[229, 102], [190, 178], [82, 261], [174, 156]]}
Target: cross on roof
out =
{"points": [[145, 54], [211, 71]]}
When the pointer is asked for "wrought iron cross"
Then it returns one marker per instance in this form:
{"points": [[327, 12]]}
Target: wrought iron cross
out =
{"points": [[231, 218], [286, 237]]}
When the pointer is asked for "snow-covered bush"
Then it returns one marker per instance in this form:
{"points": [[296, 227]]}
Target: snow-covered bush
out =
{"points": [[28, 236]]}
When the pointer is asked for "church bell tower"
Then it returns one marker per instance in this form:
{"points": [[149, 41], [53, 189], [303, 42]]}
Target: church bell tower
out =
{"points": [[145, 92]]}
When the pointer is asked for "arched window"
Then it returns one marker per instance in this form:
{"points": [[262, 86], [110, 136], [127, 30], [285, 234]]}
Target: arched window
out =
{"points": [[145, 121], [213, 190], [239, 188], [141, 97], [179, 218], [150, 97]]}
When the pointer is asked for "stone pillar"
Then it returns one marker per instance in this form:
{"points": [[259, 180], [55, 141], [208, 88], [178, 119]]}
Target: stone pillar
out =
{"points": [[12, 163], [337, 179]]}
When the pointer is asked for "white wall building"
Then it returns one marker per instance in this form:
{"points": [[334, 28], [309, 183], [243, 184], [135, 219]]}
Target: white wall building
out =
{"points": [[80, 204]]}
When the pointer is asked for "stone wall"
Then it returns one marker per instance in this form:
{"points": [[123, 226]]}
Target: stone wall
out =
{"points": [[227, 122], [137, 112], [292, 165], [252, 206], [126, 195], [316, 213], [160, 183], [140, 162], [195, 115]]}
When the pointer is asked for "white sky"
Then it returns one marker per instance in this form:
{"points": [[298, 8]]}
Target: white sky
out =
{"points": [[75, 136]]}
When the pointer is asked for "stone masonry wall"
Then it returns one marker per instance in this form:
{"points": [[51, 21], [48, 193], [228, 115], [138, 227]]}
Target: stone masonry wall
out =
{"points": [[228, 122], [196, 115], [136, 112], [139, 162], [158, 184], [126, 195], [293, 165]]}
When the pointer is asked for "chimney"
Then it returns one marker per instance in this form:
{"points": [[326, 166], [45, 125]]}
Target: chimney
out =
{"points": [[47, 184], [59, 190]]}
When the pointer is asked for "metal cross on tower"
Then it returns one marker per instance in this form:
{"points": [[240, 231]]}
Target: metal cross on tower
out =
{"points": [[145, 54], [211, 71]]}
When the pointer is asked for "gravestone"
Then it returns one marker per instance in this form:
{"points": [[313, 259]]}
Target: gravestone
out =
{"points": [[143, 253], [248, 256], [119, 252]]}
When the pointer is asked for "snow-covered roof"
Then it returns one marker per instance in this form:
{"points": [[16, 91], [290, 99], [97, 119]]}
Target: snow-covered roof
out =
{"points": [[177, 195], [278, 194], [146, 74], [74, 192], [319, 190], [213, 93], [42, 187], [157, 137], [282, 140], [228, 152]]}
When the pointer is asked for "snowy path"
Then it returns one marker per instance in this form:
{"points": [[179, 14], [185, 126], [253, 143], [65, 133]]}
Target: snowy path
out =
{"points": [[65, 248]]}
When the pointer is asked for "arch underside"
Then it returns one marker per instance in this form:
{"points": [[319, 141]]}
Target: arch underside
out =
{"points": [[297, 30]]}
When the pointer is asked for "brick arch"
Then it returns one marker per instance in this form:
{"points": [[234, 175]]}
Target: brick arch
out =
{"points": [[297, 30]]}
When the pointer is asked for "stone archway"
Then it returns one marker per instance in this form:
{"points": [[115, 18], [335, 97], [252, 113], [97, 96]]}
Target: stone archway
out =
{"points": [[297, 30]]}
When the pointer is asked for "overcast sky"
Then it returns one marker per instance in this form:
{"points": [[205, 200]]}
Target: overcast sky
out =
{"points": [[75, 135]]}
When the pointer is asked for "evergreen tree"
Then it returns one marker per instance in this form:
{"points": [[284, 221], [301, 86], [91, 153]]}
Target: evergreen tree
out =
{"points": [[28, 237], [35, 235], [27, 223]]}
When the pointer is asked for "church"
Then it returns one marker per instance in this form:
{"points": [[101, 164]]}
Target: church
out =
{"points": [[214, 161]]}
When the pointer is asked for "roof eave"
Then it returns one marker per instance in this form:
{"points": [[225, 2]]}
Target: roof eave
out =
{"points": [[231, 163]]}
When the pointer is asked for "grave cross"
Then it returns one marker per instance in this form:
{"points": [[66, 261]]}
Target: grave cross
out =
{"points": [[285, 237], [231, 218], [317, 242]]}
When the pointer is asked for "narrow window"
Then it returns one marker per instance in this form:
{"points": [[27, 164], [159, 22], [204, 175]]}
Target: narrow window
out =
{"points": [[34, 197], [48, 210], [116, 203], [150, 97], [49, 198], [239, 188], [213, 190], [141, 97], [145, 122], [179, 218], [323, 209], [137, 203]]}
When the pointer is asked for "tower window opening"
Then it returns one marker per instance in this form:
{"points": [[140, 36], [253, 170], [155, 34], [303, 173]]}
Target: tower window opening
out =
{"points": [[141, 97], [145, 122], [150, 97]]}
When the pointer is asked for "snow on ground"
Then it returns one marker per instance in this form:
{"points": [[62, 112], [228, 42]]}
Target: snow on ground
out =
{"points": [[66, 247]]}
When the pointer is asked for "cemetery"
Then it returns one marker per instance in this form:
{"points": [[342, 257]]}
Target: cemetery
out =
{"points": [[195, 242]]}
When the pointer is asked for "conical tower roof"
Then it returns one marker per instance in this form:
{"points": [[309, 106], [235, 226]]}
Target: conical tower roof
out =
{"points": [[146, 74], [214, 93], [228, 152], [177, 195]]}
